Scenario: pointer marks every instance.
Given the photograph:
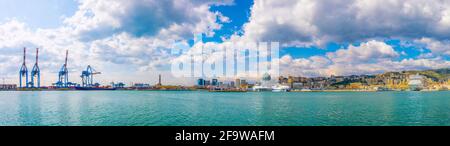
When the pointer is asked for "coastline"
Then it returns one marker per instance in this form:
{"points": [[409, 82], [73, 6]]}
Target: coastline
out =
{"points": [[220, 91]]}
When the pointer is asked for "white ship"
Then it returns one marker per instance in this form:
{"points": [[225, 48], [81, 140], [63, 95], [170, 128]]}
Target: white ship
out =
{"points": [[266, 85], [280, 88], [259, 88]]}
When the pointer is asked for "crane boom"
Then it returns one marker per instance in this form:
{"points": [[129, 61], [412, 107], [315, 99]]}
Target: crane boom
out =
{"points": [[67, 54], [24, 52], [37, 55]]}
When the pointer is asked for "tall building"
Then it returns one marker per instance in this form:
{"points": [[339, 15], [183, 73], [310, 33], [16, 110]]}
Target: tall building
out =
{"points": [[214, 82], [201, 82], [159, 81], [243, 82], [238, 83], [290, 82]]}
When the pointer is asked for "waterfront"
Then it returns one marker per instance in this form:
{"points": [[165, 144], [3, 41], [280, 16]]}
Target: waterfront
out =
{"points": [[171, 108]]}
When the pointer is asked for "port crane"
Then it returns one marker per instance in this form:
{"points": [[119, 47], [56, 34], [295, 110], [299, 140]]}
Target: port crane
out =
{"points": [[63, 75], [23, 72], [87, 77], [36, 73]]}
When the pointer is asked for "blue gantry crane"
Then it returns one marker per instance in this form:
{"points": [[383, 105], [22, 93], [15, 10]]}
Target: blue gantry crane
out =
{"points": [[87, 77], [63, 75], [36, 73], [23, 72]]}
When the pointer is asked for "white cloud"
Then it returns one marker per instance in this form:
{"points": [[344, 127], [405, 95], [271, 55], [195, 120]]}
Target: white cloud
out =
{"points": [[170, 19], [368, 58], [372, 51], [306, 22], [122, 48], [436, 47]]}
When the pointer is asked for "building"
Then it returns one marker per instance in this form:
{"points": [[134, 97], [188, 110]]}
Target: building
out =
{"points": [[238, 83], [201, 82], [118, 85], [159, 81], [290, 82], [8, 86], [415, 82], [243, 83], [141, 85], [207, 83], [215, 82]]}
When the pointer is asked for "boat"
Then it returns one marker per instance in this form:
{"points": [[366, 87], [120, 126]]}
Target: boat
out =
{"points": [[259, 88], [264, 85], [280, 88], [306, 90], [93, 88]]}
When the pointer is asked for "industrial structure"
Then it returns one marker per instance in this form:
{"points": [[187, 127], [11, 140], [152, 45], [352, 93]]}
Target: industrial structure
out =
{"points": [[63, 75], [159, 81], [36, 73], [87, 77], [23, 72]]}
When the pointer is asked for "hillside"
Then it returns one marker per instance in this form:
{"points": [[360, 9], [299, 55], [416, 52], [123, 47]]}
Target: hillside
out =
{"points": [[435, 74]]}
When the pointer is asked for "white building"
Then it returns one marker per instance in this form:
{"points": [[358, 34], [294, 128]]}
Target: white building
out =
{"points": [[415, 82]]}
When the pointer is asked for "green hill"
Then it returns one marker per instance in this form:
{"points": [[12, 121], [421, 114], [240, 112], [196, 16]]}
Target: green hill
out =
{"points": [[435, 74]]}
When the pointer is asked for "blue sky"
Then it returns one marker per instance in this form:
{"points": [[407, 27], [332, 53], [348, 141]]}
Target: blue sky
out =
{"points": [[51, 13], [318, 37], [38, 14], [240, 12]]}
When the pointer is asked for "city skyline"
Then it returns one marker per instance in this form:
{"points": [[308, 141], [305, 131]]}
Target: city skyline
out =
{"points": [[131, 41]]}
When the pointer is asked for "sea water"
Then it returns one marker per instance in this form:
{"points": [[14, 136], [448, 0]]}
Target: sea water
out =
{"points": [[202, 108]]}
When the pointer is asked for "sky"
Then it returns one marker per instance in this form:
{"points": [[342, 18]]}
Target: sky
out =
{"points": [[130, 41]]}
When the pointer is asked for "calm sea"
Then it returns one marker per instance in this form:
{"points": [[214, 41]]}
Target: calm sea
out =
{"points": [[168, 108]]}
